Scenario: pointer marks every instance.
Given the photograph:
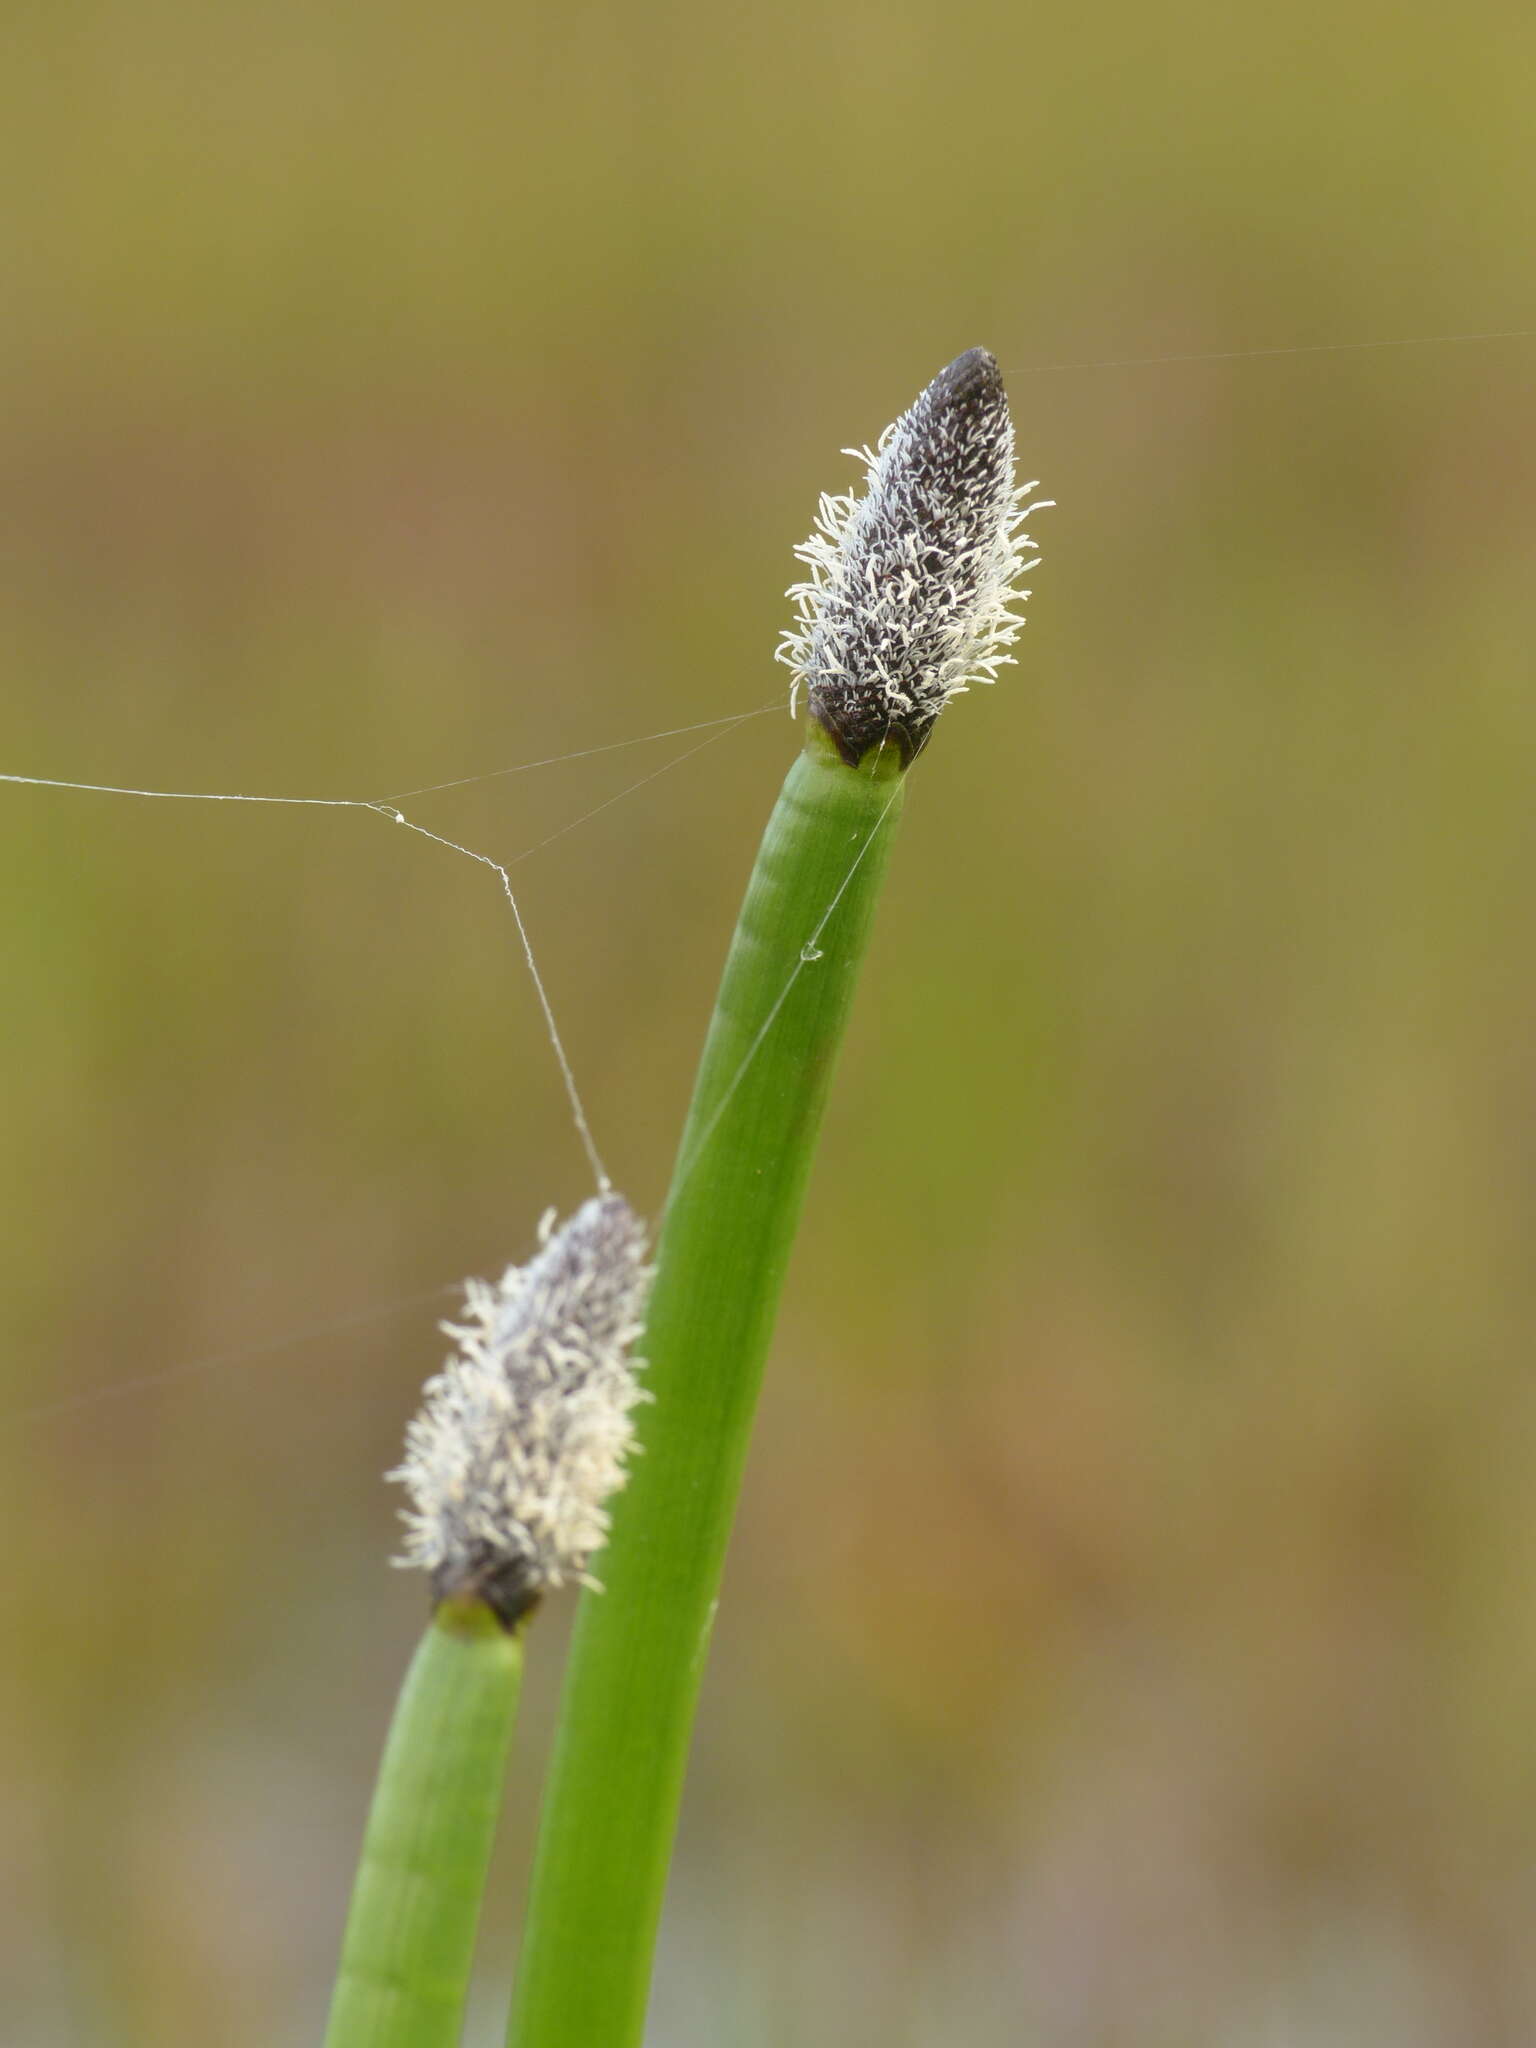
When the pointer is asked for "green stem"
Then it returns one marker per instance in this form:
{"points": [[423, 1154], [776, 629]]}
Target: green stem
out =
{"points": [[638, 1653], [410, 1938]]}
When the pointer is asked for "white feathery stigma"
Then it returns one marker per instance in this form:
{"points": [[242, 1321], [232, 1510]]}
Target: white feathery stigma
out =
{"points": [[523, 1434], [911, 583]]}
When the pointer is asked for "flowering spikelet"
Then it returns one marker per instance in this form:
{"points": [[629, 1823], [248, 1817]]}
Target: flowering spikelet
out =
{"points": [[907, 602], [523, 1434]]}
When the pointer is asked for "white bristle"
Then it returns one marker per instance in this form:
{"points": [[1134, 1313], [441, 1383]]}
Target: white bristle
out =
{"points": [[523, 1434], [908, 599]]}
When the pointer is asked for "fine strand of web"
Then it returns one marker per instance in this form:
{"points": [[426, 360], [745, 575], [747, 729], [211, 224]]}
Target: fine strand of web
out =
{"points": [[1305, 348], [629, 789], [397, 817], [716, 729], [228, 1361], [807, 953], [671, 732], [344, 803], [573, 1094], [387, 808], [192, 796]]}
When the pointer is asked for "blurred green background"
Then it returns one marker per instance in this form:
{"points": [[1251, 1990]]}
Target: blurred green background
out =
{"points": [[1131, 1634]]}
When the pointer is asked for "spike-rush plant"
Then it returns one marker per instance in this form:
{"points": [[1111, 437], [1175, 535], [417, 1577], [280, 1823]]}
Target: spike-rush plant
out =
{"points": [[522, 1437], [524, 1433]]}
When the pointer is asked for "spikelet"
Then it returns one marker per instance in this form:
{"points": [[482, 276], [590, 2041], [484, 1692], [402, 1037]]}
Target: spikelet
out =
{"points": [[523, 1434], [908, 599]]}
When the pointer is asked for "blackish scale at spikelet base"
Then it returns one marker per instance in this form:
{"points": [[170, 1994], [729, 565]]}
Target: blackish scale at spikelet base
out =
{"points": [[907, 603], [523, 1435]]}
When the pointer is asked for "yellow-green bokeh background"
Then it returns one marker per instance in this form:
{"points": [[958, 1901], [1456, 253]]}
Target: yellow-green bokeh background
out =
{"points": [[1131, 1635]]}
